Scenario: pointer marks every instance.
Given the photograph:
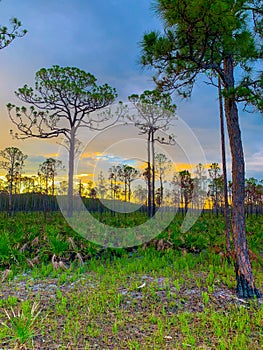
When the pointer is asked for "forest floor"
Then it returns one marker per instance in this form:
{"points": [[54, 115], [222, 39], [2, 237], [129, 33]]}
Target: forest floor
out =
{"points": [[145, 299], [155, 310]]}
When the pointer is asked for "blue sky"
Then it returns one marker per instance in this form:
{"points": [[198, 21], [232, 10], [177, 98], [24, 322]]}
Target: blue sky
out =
{"points": [[102, 37]]}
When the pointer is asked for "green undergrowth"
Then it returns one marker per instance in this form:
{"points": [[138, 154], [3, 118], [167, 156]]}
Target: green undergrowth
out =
{"points": [[176, 292], [28, 240]]}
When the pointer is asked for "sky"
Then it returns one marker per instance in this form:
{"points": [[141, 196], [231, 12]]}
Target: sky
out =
{"points": [[102, 37]]}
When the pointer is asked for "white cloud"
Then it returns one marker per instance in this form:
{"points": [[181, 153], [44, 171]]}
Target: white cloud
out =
{"points": [[254, 164]]}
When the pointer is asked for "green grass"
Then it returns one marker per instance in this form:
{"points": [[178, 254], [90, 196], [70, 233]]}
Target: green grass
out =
{"points": [[180, 297]]}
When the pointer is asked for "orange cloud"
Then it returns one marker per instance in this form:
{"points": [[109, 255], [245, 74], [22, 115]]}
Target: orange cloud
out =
{"points": [[85, 178], [90, 155], [51, 155]]}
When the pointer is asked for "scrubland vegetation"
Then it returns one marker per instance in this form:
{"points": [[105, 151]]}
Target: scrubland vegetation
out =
{"points": [[175, 292]]}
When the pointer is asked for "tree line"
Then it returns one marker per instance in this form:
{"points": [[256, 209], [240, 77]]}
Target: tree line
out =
{"points": [[183, 189]]}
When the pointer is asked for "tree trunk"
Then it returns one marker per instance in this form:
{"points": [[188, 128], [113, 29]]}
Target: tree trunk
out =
{"points": [[71, 172], [125, 189], [153, 175], [10, 197], [223, 149], [53, 184], [129, 191], [245, 280], [216, 198], [161, 188], [186, 201], [111, 187], [46, 184], [149, 187]]}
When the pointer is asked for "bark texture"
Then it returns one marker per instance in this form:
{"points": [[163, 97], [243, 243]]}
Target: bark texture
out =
{"points": [[149, 187], [223, 150], [245, 281], [71, 172]]}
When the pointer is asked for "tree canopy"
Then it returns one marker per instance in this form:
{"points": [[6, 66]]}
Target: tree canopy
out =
{"points": [[63, 98], [61, 102], [219, 38], [198, 35], [7, 35]]}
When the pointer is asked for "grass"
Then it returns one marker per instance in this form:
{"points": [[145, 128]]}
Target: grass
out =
{"points": [[178, 297], [21, 325]]}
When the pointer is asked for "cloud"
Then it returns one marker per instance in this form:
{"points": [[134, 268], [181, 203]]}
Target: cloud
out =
{"points": [[102, 37], [254, 165], [51, 155]]}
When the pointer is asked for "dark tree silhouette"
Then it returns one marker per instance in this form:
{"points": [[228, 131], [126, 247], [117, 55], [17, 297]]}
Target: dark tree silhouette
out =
{"points": [[61, 102], [13, 162], [127, 174], [101, 185], [187, 187], [163, 164], [216, 185], [155, 112], [47, 172]]}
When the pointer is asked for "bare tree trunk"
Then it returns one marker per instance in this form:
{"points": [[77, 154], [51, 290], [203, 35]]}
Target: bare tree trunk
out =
{"points": [[149, 187], [111, 187], [223, 149], [10, 197], [153, 176], [216, 200], [161, 188], [129, 191], [46, 184], [71, 172], [53, 184], [125, 190], [186, 202], [115, 188], [245, 280], [44, 205]]}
